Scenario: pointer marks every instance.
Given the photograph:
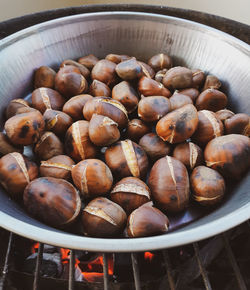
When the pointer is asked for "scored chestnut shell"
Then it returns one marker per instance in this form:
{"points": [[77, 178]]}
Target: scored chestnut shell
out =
{"points": [[160, 74], [44, 77], [211, 82], [129, 69], [147, 221], [150, 87], [130, 193], [103, 218], [82, 68], [178, 100], [238, 124], [99, 89], [160, 61], [14, 106], [25, 129], [208, 186], [126, 158], [178, 125], [169, 184], [147, 70], [88, 60], [211, 99], [224, 114], [178, 78], [92, 177], [198, 78], [16, 171], [103, 131], [53, 201], [229, 154], [58, 166], [104, 71], [136, 129], [7, 147]]}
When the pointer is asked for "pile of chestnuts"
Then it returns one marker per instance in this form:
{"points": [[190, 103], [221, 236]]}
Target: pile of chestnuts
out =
{"points": [[119, 144]]}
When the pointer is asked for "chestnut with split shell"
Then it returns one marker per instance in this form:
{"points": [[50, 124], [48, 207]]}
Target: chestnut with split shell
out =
{"points": [[104, 71], [238, 124], [160, 61], [99, 89], [136, 129], [150, 87], [15, 105]]}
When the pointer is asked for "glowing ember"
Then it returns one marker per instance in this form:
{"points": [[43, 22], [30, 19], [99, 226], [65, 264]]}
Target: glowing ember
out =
{"points": [[65, 255], [148, 256], [34, 248]]}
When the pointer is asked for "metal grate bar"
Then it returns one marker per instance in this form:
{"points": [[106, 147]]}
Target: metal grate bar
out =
{"points": [[169, 270], [38, 266], [201, 267], [136, 271], [233, 262], [6, 262], [72, 270], [105, 272]]}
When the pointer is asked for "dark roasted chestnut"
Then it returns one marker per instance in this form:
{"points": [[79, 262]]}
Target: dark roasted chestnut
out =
{"points": [[147, 70], [44, 77], [160, 74], [150, 87], [82, 68], [178, 78], [211, 99], [136, 129], [99, 89], [117, 58], [238, 124], [191, 92], [198, 78], [224, 114], [7, 147], [14, 106], [160, 61], [88, 60], [178, 100], [129, 69], [104, 71], [211, 82]]}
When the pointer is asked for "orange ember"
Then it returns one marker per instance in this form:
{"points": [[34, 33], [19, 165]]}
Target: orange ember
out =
{"points": [[148, 256], [65, 255], [34, 248]]}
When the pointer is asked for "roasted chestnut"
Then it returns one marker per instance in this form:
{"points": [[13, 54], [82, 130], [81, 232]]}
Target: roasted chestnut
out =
{"points": [[130, 193], [147, 70], [92, 177], [88, 60], [25, 129], [211, 99], [193, 93], [103, 218], [53, 201], [104, 71], [14, 106], [178, 125], [129, 69], [160, 61], [136, 129], [178, 100], [178, 78], [77, 143], [169, 184], [16, 171], [99, 89], [224, 114], [58, 166], [229, 155], [117, 58], [103, 131], [44, 77], [211, 82], [126, 158], [160, 74], [238, 124], [150, 87], [82, 68], [7, 147], [189, 154], [198, 78], [147, 221]]}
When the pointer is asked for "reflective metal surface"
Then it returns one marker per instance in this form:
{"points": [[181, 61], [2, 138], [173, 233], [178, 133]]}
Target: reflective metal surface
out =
{"points": [[141, 35]]}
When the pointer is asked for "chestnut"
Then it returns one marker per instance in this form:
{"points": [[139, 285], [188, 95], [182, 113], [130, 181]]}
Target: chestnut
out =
{"points": [[99, 89], [198, 78], [7, 147], [147, 70], [56, 121], [88, 60], [238, 124], [106, 107], [160, 74], [209, 127], [207, 185], [229, 155], [211, 99], [53, 201], [129, 69], [103, 131], [160, 61], [16, 171], [154, 146], [126, 95], [136, 129], [130, 193], [74, 106], [58, 166], [150, 87], [77, 143], [178, 78], [70, 82], [147, 221], [151, 109], [25, 129], [189, 154], [169, 184], [92, 177], [46, 98], [103, 218], [211, 82], [126, 158], [48, 145], [44, 77], [178, 125], [224, 114], [193, 93], [104, 71], [14, 106], [178, 100], [117, 58], [82, 68]]}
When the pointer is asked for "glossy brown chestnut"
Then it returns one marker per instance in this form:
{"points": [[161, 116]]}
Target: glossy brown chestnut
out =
{"points": [[92, 177], [209, 127], [129, 69], [147, 70], [16, 171], [74, 106], [46, 98], [130, 193], [151, 109], [154, 146], [179, 125], [178, 100], [48, 145], [117, 58], [212, 100], [160, 74], [103, 131], [189, 154], [229, 154], [53, 201], [178, 78], [169, 184], [160, 61], [150, 87], [104, 71], [126, 95], [126, 158], [14, 106], [106, 107], [193, 93], [136, 129], [25, 129], [7, 147], [88, 60], [99, 89], [207, 185], [82, 68], [238, 124], [58, 166], [103, 218], [77, 143], [211, 82], [198, 78], [147, 221], [44, 77], [224, 114]]}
